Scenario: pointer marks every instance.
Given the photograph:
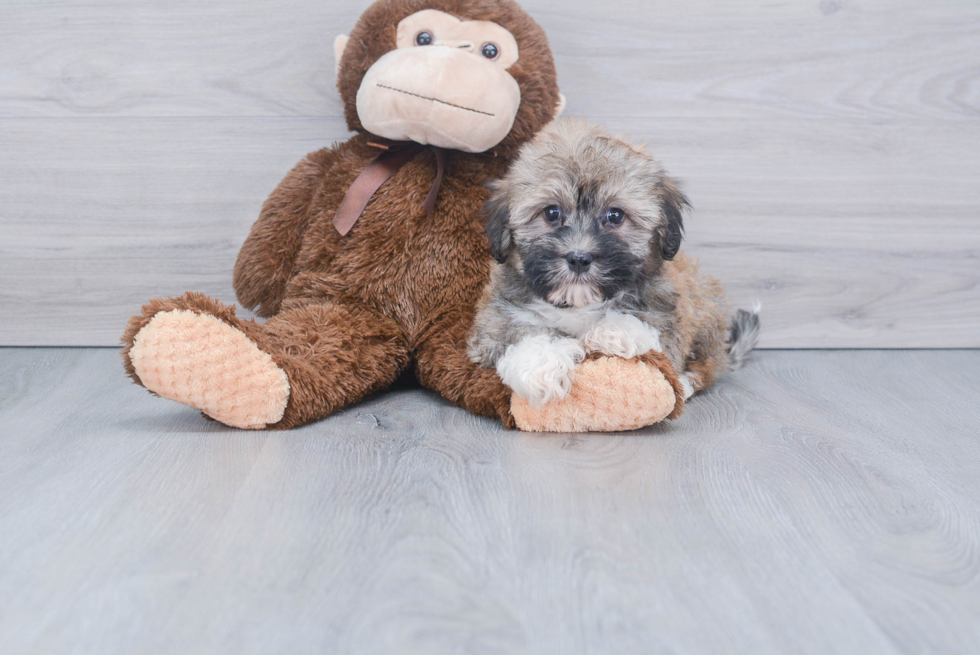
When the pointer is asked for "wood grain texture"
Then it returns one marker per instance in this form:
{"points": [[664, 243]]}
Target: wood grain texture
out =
{"points": [[879, 59], [832, 150], [842, 248], [814, 502]]}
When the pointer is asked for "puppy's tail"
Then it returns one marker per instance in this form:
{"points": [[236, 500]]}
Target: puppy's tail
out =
{"points": [[743, 334]]}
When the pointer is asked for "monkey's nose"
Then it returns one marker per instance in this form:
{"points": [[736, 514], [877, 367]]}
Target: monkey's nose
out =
{"points": [[579, 261]]}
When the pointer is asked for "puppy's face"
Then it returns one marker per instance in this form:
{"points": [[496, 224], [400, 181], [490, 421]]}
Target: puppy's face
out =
{"points": [[584, 216]]}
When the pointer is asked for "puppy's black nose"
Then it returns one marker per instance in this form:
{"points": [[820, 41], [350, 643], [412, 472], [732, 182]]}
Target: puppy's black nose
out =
{"points": [[579, 261]]}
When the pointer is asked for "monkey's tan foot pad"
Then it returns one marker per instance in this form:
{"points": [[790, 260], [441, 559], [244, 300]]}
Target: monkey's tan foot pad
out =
{"points": [[203, 362], [609, 394]]}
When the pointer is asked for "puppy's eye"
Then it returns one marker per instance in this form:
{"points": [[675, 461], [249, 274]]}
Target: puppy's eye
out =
{"points": [[552, 214], [490, 51], [615, 216], [423, 38]]}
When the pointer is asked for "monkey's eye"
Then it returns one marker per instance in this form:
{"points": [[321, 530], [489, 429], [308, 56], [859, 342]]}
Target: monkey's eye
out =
{"points": [[423, 38], [552, 214], [615, 216], [490, 51]]}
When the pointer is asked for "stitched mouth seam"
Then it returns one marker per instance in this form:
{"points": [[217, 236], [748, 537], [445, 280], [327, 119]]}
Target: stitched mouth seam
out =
{"points": [[442, 102]]}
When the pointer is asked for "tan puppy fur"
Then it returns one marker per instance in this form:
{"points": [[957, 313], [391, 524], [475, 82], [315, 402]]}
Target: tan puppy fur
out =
{"points": [[586, 229]]}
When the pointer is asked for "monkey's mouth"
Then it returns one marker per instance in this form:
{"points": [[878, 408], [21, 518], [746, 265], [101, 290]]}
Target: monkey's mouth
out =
{"points": [[441, 102]]}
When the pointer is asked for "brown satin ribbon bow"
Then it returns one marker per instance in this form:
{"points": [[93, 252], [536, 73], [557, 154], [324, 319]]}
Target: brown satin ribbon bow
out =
{"points": [[389, 162]]}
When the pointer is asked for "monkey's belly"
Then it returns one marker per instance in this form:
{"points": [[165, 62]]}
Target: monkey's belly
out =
{"points": [[405, 280]]}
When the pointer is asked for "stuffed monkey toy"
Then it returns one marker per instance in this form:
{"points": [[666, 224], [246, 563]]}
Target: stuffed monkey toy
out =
{"points": [[370, 256]]}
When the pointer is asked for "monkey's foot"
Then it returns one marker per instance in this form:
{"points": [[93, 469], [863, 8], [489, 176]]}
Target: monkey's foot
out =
{"points": [[199, 360], [609, 394]]}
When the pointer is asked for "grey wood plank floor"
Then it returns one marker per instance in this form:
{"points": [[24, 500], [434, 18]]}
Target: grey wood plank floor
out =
{"points": [[814, 502]]}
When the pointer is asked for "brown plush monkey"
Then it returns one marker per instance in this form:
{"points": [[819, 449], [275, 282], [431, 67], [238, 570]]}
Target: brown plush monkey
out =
{"points": [[371, 255]]}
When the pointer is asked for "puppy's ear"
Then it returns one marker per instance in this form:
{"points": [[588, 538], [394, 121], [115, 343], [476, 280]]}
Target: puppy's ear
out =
{"points": [[674, 204], [497, 211]]}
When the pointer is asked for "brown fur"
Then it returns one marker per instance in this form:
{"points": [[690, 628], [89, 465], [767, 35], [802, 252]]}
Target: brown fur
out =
{"points": [[581, 171], [699, 322], [349, 314]]}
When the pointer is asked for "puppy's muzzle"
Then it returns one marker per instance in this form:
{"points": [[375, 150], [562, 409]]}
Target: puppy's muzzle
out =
{"points": [[579, 262]]}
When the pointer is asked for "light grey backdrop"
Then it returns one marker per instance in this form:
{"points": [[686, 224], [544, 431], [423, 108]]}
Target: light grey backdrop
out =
{"points": [[831, 149]]}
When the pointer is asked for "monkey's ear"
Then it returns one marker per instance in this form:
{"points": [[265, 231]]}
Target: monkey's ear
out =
{"points": [[339, 45], [497, 211], [674, 204]]}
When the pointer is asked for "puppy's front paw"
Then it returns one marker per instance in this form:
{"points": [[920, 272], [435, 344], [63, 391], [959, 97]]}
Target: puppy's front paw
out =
{"points": [[622, 335], [540, 368]]}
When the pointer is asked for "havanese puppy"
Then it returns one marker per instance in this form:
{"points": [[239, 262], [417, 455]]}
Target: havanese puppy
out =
{"points": [[587, 229]]}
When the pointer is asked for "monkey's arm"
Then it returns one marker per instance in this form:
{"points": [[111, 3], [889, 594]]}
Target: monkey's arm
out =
{"points": [[265, 262]]}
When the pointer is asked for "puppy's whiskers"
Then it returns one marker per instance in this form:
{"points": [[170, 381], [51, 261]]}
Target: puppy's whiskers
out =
{"points": [[570, 290]]}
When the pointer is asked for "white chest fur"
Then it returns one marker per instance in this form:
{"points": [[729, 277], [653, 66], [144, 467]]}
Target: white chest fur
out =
{"points": [[598, 327], [572, 321]]}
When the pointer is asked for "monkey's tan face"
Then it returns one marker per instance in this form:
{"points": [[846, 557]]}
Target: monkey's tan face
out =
{"points": [[446, 84]]}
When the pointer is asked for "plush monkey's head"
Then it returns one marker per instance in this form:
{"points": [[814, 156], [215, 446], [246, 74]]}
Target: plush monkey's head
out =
{"points": [[470, 75]]}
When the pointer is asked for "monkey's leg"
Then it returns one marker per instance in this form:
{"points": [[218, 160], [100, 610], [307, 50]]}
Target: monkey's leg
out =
{"points": [[302, 365], [609, 394], [445, 367]]}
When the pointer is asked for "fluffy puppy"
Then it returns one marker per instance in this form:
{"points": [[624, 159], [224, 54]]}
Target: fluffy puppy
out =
{"points": [[586, 230]]}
